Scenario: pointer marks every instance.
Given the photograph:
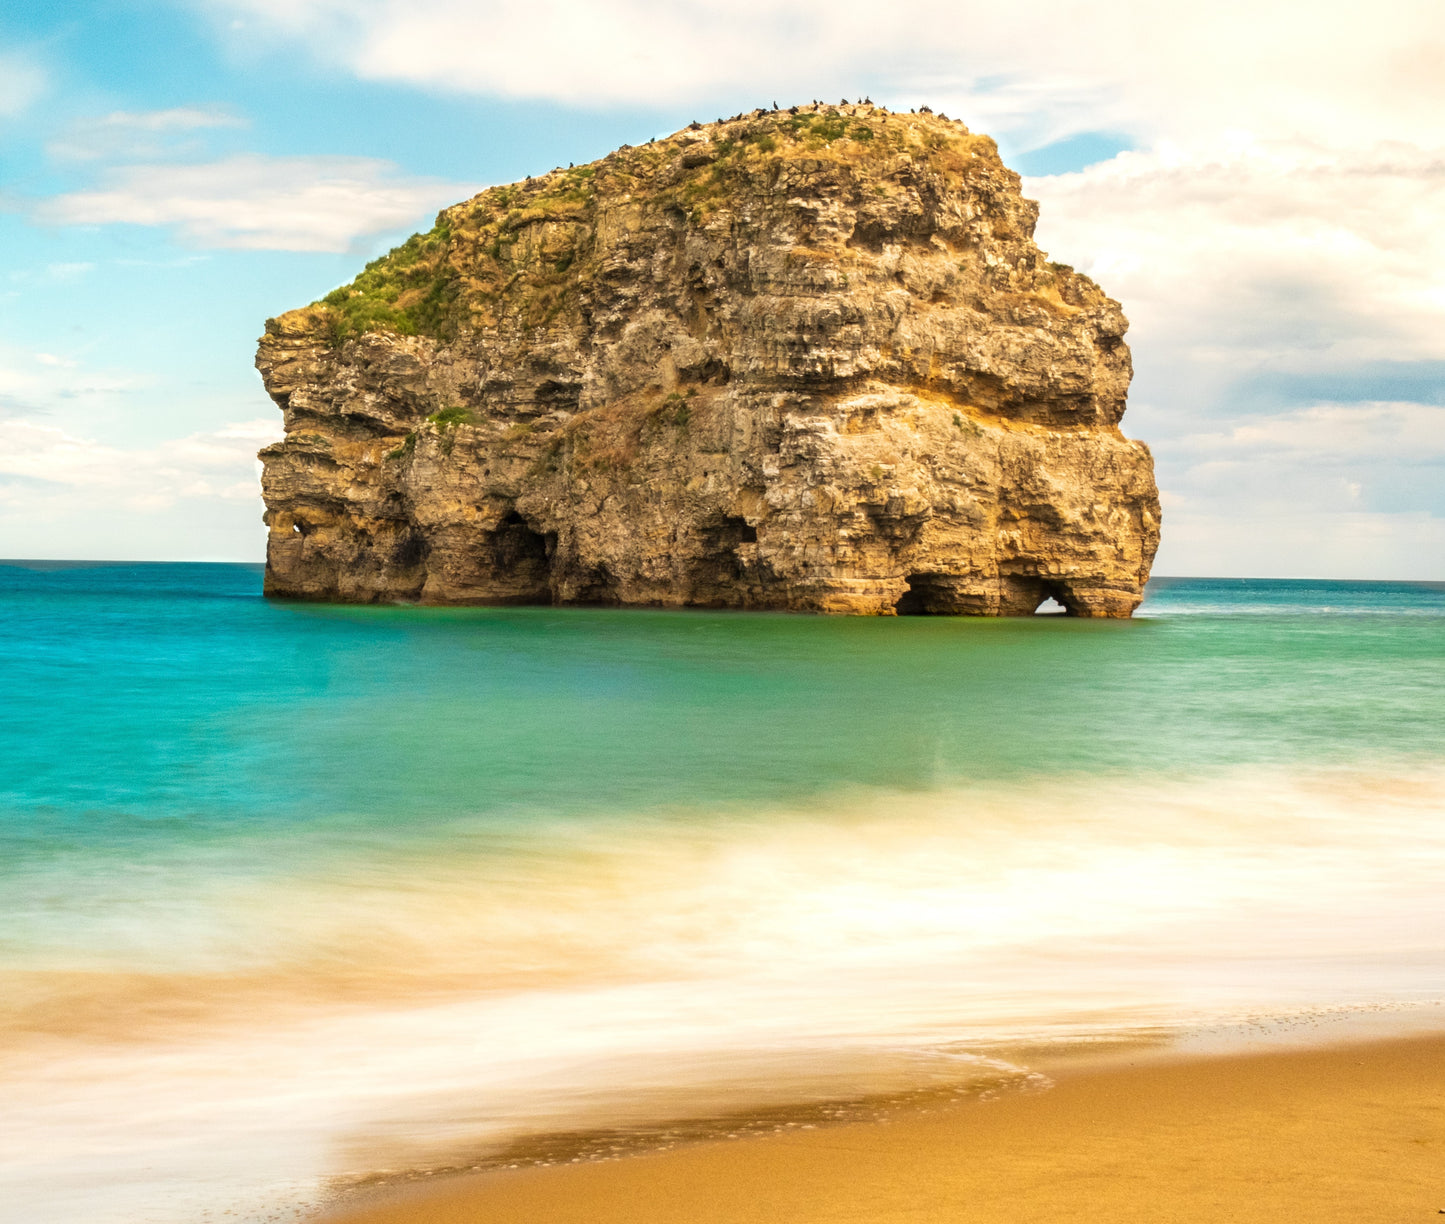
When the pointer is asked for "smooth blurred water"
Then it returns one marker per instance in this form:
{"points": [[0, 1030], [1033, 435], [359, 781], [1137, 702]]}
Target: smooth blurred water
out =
{"points": [[379, 882], [171, 702]]}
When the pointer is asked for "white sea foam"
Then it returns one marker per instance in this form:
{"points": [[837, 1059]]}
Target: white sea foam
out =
{"points": [[390, 1011]]}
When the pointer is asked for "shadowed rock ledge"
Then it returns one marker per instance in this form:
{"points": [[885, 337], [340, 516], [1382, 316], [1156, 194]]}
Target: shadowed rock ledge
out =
{"points": [[805, 360]]}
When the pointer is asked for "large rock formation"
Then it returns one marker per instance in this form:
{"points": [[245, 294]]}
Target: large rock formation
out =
{"points": [[807, 360]]}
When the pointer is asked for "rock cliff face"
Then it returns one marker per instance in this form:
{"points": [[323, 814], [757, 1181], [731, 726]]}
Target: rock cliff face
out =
{"points": [[806, 360]]}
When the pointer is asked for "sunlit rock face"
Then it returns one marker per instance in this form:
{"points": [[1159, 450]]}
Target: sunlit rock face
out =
{"points": [[807, 361]]}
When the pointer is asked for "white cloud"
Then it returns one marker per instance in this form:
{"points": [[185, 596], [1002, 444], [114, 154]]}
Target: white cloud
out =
{"points": [[1335, 69], [138, 134], [1381, 457], [75, 481], [32, 384], [1332, 434], [1250, 268], [68, 271], [1244, 251], [21, 83], [179, 261], [259, 203], [1310, 544], [1330, 490], [216, 463], [64, 493]]}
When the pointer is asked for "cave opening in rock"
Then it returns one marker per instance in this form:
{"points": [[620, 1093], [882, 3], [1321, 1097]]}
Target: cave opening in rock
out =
{"points": [[1050, 607], [729, 531], [720, 565], [922, 597], [408, 550], [522, 559], [910, 603]]}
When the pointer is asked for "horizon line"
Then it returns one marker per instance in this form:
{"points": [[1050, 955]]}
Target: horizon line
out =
{"points": [[82, 562]]}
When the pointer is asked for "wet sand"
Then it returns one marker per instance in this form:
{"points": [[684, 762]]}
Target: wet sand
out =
{"points": [[1349, 1134]]}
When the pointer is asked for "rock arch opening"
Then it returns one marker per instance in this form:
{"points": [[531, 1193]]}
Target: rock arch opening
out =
{"points": [[1010, 595], [1050, 599]]}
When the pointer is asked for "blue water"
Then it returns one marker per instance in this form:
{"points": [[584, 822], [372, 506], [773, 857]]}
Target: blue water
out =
{"points": [[164, 701], [536, 855]]}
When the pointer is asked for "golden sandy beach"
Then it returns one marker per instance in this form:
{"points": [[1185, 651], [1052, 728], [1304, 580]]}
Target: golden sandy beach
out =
{"points": [[1344, 1135]]}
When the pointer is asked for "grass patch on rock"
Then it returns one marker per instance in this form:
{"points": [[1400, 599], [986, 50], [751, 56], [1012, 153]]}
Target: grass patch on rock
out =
{"points": [[524, 255]]}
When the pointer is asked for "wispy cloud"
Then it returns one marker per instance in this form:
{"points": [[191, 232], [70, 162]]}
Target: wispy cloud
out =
{"points": [[217, 463], [1344, 71], [22, 82], [1289, 542], [1332, 435], [37, 384], [64, 492], [74, 480], [1243, 255], [1331, 490], [69, 271], [131, 135], [1250, 268], [259, 203]]}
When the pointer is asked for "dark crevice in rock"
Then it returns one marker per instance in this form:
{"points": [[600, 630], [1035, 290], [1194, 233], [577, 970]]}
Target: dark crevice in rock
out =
{"points": [[409, 550], [727, 533], [520, 558], [928, 595]]}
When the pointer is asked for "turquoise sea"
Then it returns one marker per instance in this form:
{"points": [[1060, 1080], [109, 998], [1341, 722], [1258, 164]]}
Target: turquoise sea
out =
{"points": [[293, 893]]}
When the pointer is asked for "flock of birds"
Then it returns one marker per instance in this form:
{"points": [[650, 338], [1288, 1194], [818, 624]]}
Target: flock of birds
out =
{"points": [[695, 126], [793, 110]]}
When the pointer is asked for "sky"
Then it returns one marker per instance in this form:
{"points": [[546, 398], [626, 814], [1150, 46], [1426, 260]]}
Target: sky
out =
{"points": [[1261, 185]]}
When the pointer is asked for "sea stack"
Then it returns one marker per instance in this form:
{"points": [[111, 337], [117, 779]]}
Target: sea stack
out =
{"points": [[806, 360]]}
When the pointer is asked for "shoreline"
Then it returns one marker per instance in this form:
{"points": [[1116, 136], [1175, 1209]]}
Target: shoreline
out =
{"points": [[1346, 1132]]}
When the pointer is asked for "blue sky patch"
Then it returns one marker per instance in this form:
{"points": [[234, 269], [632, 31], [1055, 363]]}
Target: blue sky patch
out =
{"points": [[1069, 155]]}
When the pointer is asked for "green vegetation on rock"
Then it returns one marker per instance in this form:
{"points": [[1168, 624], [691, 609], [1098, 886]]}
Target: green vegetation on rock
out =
{"points": [[518, 256], [409, 290], [450, 418]]}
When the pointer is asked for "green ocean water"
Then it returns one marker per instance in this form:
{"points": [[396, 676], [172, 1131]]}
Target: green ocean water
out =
{"points": [[573, 865], [170, 702]]}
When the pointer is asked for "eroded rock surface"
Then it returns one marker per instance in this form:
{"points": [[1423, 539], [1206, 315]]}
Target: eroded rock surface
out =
{"points": [[806, 360]]}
